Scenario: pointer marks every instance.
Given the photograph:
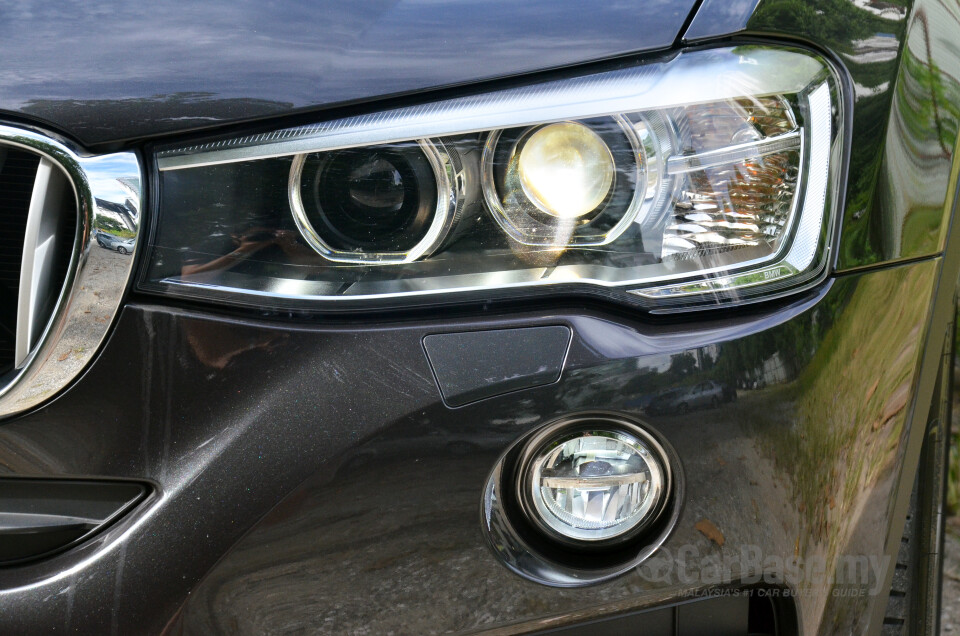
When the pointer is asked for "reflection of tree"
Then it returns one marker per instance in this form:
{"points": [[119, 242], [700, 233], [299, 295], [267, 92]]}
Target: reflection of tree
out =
{"points": [[682, 364], [837, 24], [841, 26], [928, 98], [110, 225]]}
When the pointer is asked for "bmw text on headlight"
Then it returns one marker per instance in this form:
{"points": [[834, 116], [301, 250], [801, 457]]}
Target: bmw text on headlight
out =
{"points": [[705, 178]]}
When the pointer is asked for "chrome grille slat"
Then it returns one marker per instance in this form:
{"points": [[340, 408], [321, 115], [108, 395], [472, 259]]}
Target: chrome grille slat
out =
{"points": [[17, 174], [38, 284]]}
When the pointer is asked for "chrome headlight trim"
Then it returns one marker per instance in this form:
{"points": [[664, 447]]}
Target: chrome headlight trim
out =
{"points": [[94, 287], [655, 85]]}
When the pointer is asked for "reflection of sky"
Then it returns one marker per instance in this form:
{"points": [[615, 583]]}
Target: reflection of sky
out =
{"points": [[103, 173], [292, 53]]}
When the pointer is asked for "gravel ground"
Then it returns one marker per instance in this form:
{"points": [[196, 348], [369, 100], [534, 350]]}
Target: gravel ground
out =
{"points": [[950, 609], [96, 299]]}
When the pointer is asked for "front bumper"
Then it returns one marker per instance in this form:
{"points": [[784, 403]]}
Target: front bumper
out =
{"points": [[379, 482]]}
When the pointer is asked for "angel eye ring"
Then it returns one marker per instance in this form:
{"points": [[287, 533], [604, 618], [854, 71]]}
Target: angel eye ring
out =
{"points": [[376, 205]]}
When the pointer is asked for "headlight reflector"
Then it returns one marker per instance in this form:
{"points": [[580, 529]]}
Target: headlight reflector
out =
{"points": [[393, 203], [374, 199], [709, 182], [565, 169]]}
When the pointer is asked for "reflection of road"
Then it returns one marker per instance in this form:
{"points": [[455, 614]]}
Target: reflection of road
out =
{"points": [[337, 556], [950, 615], [108, 270], [718, 452]]}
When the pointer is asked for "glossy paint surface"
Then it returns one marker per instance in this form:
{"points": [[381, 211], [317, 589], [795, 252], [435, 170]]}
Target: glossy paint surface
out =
{"points": [[227, 417], [718, 18], [905, 74], [378, 481], [118, 70]]}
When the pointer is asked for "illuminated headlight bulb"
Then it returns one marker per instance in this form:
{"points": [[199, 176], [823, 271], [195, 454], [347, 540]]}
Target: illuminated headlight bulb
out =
{"points": [[566, 169], [594, 485]]}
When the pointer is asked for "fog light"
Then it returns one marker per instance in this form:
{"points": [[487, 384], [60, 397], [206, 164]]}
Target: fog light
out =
{"points": [[593, 485], [582, 499]]}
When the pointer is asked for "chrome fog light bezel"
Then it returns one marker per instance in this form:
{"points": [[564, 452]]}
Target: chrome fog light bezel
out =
{"points": [[527, 550]]}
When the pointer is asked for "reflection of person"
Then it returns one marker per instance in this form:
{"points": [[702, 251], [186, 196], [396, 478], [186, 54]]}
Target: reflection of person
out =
{"points": [[213, 346], [246, 245]]}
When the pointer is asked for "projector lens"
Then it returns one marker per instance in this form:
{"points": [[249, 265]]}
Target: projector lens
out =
{"points": [[379, 199], [566, 169]]}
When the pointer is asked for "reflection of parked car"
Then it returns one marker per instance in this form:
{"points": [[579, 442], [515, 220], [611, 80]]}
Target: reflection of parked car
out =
{"points": [[111, 242], [667, 402], [709, 394]]}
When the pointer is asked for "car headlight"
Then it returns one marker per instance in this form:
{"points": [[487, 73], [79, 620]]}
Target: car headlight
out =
{"points": [[709, 177]]}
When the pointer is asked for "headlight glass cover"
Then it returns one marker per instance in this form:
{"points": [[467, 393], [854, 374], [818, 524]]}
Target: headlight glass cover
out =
{"points": [[706, 178]]}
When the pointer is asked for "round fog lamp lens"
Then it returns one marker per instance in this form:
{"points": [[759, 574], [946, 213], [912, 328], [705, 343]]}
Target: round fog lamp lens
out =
{"points": [[596, 485], [566, 169]]}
